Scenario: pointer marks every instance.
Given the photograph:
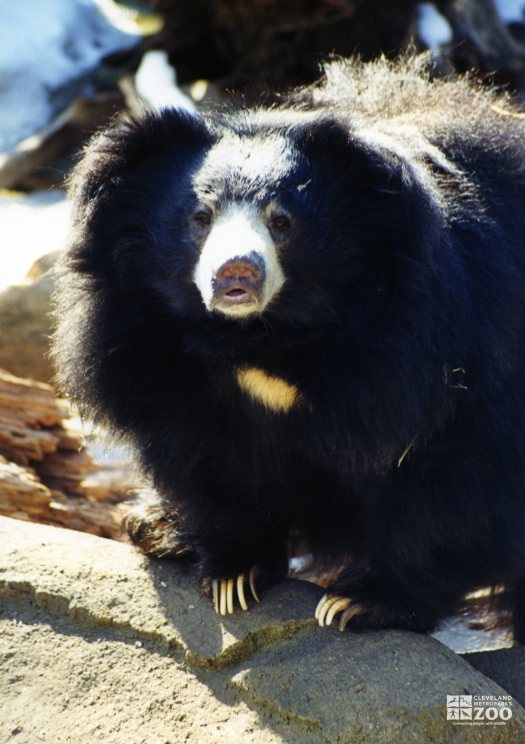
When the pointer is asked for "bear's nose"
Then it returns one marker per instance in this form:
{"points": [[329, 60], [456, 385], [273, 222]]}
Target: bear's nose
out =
{"points": [[247, 270], [239, 281]]}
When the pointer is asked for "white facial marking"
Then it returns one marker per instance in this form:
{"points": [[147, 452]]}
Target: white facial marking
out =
{"points": [[238, 232], [252, 160]]}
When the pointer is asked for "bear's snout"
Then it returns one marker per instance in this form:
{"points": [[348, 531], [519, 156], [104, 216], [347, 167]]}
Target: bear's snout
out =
{"points": [[238, 271], [240, 280]]}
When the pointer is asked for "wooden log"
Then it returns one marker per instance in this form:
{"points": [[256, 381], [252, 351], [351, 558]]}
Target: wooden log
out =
{"points": [[30, 419], [46, 472], [23, 496]]}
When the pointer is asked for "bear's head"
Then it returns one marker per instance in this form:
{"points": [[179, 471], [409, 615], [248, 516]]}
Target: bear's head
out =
{"points": [[261, 216]]}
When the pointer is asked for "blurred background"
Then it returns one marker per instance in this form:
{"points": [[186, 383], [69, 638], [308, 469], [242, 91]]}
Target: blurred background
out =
{"points": [[66, 68]]}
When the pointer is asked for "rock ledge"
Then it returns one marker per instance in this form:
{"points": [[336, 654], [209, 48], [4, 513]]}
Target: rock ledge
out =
{"points": [[100, 643]]}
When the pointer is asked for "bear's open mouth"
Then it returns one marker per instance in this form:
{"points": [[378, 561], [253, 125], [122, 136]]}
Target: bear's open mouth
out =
{"points": [[237, 296]]}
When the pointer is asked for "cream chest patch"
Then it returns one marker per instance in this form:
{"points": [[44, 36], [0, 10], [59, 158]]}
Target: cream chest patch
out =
{"points": [[272, 392]]}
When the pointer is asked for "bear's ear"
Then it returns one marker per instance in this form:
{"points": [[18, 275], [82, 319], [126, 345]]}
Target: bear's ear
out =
{"points": [[371, 166], [361, 157], [321, 135], [131, 140], [389, 195], [336, 150]]}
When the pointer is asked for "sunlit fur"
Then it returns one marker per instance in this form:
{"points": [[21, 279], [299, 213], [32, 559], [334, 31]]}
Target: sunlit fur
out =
{"points": [[400, 322]]}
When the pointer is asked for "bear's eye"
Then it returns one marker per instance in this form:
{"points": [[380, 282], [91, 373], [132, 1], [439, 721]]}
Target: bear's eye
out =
{"points": [[202, 217], [280, 222]]}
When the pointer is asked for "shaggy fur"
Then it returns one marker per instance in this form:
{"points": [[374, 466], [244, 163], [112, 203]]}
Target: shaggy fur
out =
{"points": [[399, 334]]}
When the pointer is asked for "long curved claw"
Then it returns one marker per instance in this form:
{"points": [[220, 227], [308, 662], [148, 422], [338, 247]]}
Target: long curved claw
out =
{"points": [[223, 592], [347, 615], [342, 604], [241, 578], [224, 584], [229, 596], [254, 573], [320, 605], [329, 606]]}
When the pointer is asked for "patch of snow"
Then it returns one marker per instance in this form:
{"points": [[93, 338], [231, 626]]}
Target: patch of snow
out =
{"points": [[30, 227], [433, 28], [511, 10], [156, 84], [49, 54]]}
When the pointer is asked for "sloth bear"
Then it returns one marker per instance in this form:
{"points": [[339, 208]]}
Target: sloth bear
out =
{"points": [[308, 318]]}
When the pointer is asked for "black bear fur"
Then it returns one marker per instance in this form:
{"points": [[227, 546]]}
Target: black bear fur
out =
{"points": [[401, 324]]}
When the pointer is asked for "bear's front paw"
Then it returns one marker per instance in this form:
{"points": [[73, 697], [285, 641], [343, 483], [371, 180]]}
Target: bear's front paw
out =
{"points": [[223, 591], [364, 601], [331, 605]]}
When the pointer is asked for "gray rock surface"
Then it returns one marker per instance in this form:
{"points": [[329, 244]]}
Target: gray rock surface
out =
{"points": [[99, 643], [506, 666]]}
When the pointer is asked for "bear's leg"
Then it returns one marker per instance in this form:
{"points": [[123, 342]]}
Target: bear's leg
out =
{"points": [[237, 554], [445, 523], [365, 600], [239, 559]]}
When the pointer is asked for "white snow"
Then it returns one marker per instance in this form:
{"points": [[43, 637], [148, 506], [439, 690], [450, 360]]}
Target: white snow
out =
{"points": [[433, 28], [511, 10], [48, 53], [156, 84], [30, 227]]}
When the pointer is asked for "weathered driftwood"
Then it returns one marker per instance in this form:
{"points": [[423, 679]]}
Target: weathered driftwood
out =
{"points": [[46, 472]]}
